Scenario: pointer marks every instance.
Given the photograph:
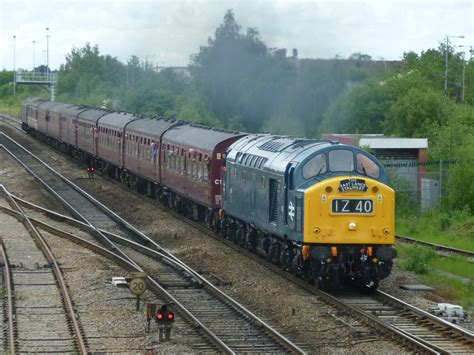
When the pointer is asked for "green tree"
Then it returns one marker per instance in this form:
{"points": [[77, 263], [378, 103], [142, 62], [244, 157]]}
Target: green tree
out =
{"points": [[227, 70]]}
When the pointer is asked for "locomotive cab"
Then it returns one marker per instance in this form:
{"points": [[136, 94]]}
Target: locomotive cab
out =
{"points": [[348, 222]]}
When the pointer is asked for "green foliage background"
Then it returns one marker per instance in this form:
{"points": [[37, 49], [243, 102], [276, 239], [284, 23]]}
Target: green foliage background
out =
{"points": [[236, 81]]}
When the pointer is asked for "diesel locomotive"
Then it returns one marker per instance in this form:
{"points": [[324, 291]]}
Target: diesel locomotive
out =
{"points": [[319, 209]]}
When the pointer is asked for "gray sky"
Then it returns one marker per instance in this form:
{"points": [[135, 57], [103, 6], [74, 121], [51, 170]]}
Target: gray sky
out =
{"points": [[167, 32]]}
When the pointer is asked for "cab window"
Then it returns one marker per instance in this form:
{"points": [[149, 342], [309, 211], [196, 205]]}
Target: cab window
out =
{"points": [[367, 166], [314, 167], [341, 160]]}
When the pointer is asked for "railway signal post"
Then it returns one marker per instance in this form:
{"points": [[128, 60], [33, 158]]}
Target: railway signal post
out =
{"points": [[150, 313], [165, 319]]}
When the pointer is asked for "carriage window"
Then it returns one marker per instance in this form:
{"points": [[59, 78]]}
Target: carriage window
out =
{"points": [[367, 166], [200, 171], [190, 166], [341, 160], [314, 167], [195, 168], [206, 172]]}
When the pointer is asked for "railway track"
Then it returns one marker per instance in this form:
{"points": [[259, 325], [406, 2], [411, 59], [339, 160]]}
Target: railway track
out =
{"points": [[413, 327], [11, 121], [16, 124], [40, 314], [396, 319], [436, 334], [437, 247], [226, 324]]}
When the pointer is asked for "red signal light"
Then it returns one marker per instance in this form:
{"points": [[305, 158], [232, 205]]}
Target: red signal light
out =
{"points": [[159, 316], [170, 316]]}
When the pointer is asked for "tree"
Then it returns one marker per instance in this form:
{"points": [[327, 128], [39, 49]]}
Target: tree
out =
{"points": [[227, 69]]}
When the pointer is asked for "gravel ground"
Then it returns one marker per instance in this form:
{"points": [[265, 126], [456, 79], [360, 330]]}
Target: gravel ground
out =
{"points": [[291, 310], [107, 313]]}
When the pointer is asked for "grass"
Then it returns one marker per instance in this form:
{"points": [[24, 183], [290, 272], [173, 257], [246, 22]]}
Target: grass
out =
{"points": [[451, 276], [455, 229]]}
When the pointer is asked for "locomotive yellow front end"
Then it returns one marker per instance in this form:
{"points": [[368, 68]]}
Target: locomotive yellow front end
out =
{"points": [[349, 229]]}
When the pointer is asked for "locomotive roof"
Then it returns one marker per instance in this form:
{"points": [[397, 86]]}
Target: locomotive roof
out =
{"points": [[117, 120], [278, 150], [198, 136], [52, 106], [154, 126], [33, 101]]}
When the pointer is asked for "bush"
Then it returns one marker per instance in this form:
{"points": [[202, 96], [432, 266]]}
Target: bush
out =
{"points": [[418, 258]]}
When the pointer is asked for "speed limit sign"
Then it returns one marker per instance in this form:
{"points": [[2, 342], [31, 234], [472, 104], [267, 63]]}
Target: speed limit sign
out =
{"points": [[137, 286]]}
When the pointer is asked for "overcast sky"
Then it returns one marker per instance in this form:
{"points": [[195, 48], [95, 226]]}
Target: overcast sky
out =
{"points": [[167, 32]]}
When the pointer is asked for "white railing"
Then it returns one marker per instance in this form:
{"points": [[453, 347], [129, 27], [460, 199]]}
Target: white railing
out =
{"points": [[35, 77]]}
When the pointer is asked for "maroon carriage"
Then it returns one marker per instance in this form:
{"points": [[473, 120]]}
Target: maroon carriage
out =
{"points": [[49, 122], [86, 129], [29, 113], [142, 143], [110, 134], [192, 157]]}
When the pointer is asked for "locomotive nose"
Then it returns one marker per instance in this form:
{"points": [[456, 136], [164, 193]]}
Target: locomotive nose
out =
{"points": [[346, 210]]}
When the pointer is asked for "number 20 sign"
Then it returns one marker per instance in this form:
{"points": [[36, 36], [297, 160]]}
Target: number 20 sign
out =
{"points": [[137, 286]]}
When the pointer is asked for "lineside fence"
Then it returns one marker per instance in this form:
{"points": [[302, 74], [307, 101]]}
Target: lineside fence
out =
{"points": [[419, 186]]}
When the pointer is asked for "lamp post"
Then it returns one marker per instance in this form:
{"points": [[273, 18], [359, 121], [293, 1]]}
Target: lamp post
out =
{"points": [[47, 51], [463, 76], [446, 63], [14, 65], [34, 61]]}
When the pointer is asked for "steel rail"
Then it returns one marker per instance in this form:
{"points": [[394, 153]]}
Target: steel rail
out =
{"points": [[424, 345], [369, 319], [66, 297], [9, 294], [378, 324], [91, 199], [468, 335], [156, 254], [12, 122], [285, 342], [436, 246], [402, 238], [54, 193], [125, 262]]}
